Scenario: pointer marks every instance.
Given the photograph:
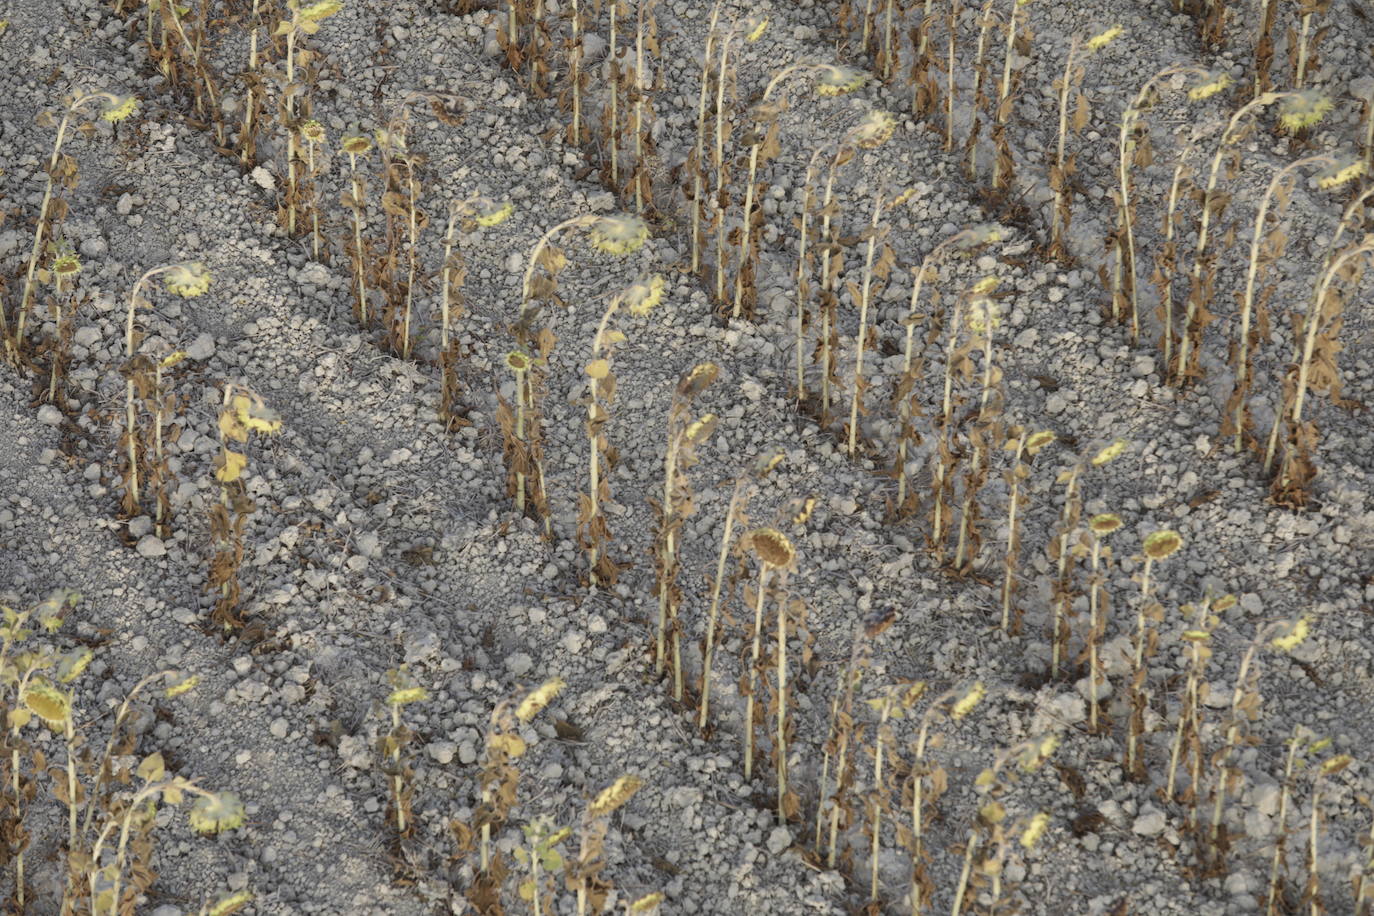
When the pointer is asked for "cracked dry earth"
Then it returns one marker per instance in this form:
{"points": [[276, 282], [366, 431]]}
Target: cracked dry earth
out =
{"points": [[383, 541]]}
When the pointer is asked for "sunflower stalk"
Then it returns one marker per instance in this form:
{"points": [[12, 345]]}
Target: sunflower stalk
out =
{"points": [[684, 435]]}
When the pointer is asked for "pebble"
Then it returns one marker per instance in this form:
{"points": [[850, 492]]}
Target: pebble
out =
{"points": [[519, 664], [150, 546], [49, 415], [441, 752], [779, 840], [1150, 822]]}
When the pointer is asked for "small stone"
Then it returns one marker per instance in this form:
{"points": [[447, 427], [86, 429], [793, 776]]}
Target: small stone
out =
{"points": [[140, 526], [203, 347], [150, 546], [242, 665], [94, 247], [1150, 822], [441, 752], [125, 205], [467, 753], [49, 415], [779, 840], [263, 179], [519, 664], [279, 727]]}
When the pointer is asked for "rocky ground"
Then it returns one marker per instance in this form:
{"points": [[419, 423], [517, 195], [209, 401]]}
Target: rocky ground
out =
{"points": [[383, 541]]}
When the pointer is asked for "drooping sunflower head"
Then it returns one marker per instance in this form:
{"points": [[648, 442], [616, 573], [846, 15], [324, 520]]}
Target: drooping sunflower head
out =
{"points": [[535, 701], [1294, 634], [1300, 110], [180, 682], [874, 130], [1109, 453], [403, 695], [1038, 440], [619, 234], [773, 548], [487, 212], [1103, 38], [696, 380], [1208, 86], [1340, 172], [983, 234], [517, 361], [71, 664], [984, 315], [642, 295], [1160, 545], [66, 266], [971, 698], [614, 796], [1035, 830], [118, 107], [838, 80], [1104, 524], [188, 280], [322, 10], [48, 703], [312, 131], [356, 143], [231, 903], [217, 812]]}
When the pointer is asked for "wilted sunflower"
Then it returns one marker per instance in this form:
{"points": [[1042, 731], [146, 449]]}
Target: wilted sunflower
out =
{"points": [[647, 903], [1104, 524], [874, 130], [642, 295], [1209, 86], [117, 107], [71, 664], [1039, 440], [1338, 174], [47, 703], [972, 698], [1109, 453], [1297, 632], [697, 379], [230, 904], [322, 10], [1103, 38], [620, 234], [356, 144], [66, 266], [757, 25], [614, 796], [188, 280], [535, 701], [516, 361], [1160, 545], [773, 547], [1301, 110], [837, 80], [1035, 830], [312, 131], [982, 234], [487, 212], [406, 695], [216, 813], [983, 315], [180, 683]]}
